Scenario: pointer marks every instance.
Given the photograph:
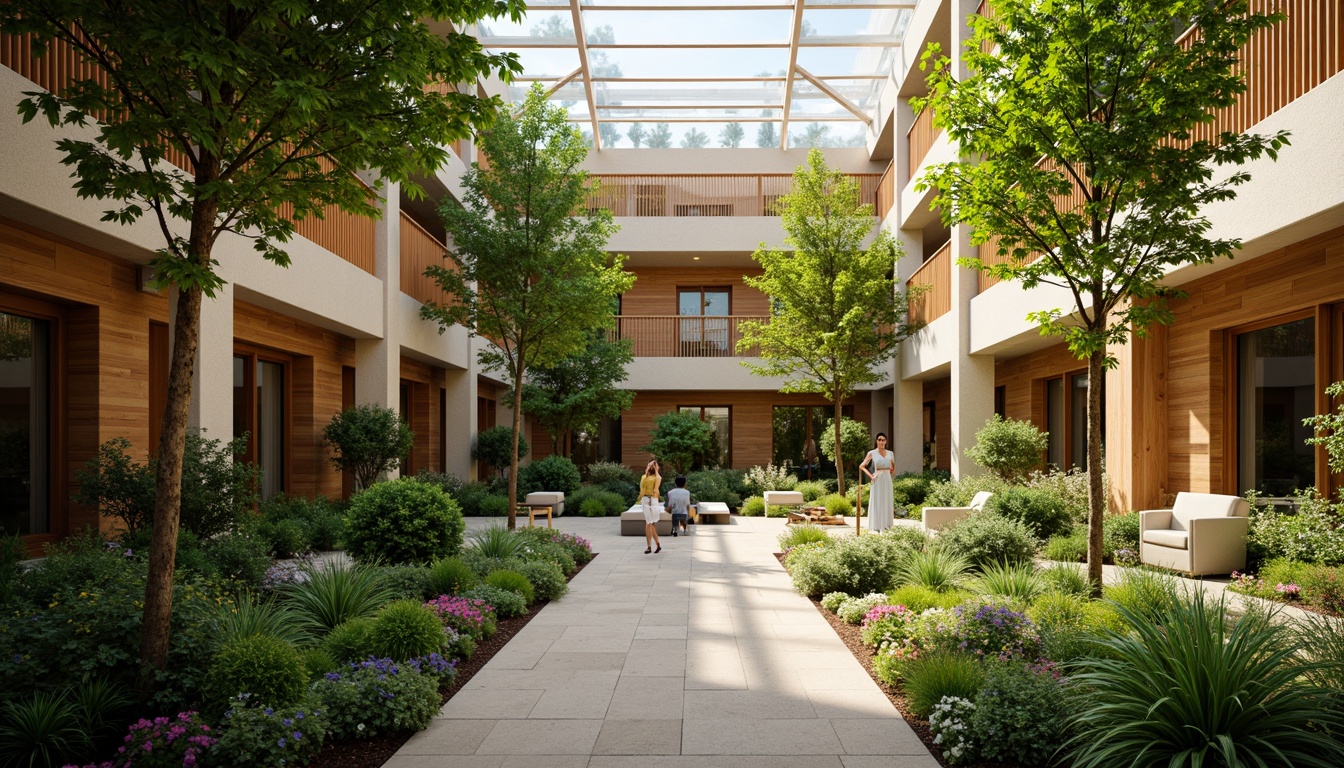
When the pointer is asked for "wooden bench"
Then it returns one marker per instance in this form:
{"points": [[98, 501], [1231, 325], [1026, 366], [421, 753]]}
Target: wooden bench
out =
{"points": [[536, 509]]}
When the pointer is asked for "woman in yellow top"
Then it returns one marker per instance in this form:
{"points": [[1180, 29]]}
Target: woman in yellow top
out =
{"points": [[648, 500]]}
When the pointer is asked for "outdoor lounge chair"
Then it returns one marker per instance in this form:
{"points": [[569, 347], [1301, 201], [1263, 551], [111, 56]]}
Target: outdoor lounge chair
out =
{"points": [[937, 518], [1202, 534]]}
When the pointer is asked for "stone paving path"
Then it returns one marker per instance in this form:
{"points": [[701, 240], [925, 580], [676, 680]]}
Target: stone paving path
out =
{"points": [[702, 656]]}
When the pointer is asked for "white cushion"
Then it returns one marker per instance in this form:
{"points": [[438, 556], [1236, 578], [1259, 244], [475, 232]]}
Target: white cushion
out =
{"points": [[784, 497], [545, 497], [1191, 505], [1167, 538]]}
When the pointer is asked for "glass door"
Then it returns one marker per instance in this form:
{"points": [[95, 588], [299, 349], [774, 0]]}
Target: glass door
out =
{"points": [[707, 335]]}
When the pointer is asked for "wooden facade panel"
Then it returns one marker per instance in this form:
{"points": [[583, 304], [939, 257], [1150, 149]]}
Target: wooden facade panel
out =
{"points": [[752, 420], [316, 388], [655, 289], [939, 392]]}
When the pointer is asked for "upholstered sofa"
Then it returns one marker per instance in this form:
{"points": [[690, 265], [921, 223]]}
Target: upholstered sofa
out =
{"points": [[938, 518], [1202, 534]]}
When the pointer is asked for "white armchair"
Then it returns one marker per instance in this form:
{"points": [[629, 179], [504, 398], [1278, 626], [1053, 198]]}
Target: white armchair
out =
{"points": [[938, 518], [1202, 534]]}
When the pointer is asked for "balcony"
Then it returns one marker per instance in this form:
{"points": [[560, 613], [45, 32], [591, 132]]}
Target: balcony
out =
{"points": [[934, 282], [697, 195], [920, 139], [681, 336], [419, 251]]}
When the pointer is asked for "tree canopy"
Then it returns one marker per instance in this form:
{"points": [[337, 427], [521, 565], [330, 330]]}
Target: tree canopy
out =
{"points": [[1088, 118], [837, 314], [529, 268], [577, 392], [266, 109]]}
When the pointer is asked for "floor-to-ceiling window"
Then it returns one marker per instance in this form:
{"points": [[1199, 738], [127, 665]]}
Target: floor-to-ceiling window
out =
{"points": [[1275, 390], [25, 424], [797, 431], [1066, 420], [260, 410], [720, 419], [703, 329]]}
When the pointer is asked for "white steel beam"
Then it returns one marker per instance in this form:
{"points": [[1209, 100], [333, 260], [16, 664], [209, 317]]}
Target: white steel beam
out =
{"points": [[841, 100]]}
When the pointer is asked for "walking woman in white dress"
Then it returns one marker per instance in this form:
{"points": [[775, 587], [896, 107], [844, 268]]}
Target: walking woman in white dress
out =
{"points": [[880, 503]]}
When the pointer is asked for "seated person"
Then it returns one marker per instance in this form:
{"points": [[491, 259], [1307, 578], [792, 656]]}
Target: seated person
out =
{"points": [[679, 504]]}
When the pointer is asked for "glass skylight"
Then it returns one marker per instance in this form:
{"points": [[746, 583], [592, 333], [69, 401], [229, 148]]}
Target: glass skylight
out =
{"points": [[808, 70]]}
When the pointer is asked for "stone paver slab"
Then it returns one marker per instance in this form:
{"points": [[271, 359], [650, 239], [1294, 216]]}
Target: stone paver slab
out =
{"points": [[448, 737], [484, 704], [639, 737], [754, 736], [541, 737]]}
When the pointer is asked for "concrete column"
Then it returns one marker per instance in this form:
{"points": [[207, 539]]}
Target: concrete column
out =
{"points": [[378, 360], [907, 396], [460, 417], [972, 375], [212, 382]]}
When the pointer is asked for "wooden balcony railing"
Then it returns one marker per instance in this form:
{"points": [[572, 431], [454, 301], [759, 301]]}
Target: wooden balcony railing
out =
{"points": [[886, 192], [704, 195], [920, 139], [420, 250], [934, 282], [680, 336]]}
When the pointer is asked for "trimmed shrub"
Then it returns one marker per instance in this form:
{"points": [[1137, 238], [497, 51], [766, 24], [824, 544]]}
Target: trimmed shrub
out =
{"points": [[404, 630], [553, 473], [451, 576], [715, 485], [608, 503], [930, 678], [1009, 448], [470, 496], [853, 565], [600, 472], [322, 522], [494, 505], [1041, 510], [266, 667], [450, 483], [836, 505], [513, 581], [548, 581], [349, 641], [506, 603], [752, 507], [592, 508], [494, 446], [407, 582], [813, 489], [984, 538], [403, 522], [369, 440], [629, 492]]}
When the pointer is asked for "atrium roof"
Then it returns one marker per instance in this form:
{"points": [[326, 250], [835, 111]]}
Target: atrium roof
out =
{"points": [[784, 72]]}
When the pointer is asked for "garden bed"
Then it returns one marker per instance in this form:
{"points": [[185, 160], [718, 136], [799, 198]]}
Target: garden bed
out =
{"points": [[372, 753]]}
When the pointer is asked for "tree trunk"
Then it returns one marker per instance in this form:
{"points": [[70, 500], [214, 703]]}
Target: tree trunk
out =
{"points": [[513, 455], [1096, 498], [839, 449]]}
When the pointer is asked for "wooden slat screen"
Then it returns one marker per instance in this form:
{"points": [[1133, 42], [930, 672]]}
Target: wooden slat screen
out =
{"points": [[690, 195], [920, 138], [682, 336], [886, 192], [420, 250], [935, 277]]}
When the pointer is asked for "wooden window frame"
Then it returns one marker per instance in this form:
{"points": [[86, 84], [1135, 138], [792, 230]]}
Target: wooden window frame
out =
{"points": [[1327, 367], [58, 521], [251, 354]]}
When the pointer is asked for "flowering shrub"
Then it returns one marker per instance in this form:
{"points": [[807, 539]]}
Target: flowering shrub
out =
{"points": [[286, 572], [950, 724], [1126, 556], [1289, 591], [771, 478], [377, 696], [442, 669], [579, 548], [832, 601], [1315, 534], [474, 618], [505, 603], [1019, 714], [180, 742], [853, 610], [888, 626], [252, 736], [988, 630]]}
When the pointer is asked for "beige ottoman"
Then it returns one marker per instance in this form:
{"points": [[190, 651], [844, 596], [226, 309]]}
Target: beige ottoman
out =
{"points": [[632, 522], [783, 499], [715, 509], [553, 499]]}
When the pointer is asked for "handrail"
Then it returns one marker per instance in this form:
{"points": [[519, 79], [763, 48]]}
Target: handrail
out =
{"points": [[920, 138], [694, 195], [683, 335]]}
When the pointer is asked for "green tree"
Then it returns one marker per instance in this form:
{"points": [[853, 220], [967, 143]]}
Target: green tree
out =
{"points": [[576, 393], [530, 269], [814, 135], [732, 135], [837, 313], [1089, 172], [1009, 448], [1329, 429], [268, 107], [854, 441], [660, 137], [767, 137], [494, 446], [636, 134], [695, 139], [681, 439], [611, 134], [368, 440]]}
